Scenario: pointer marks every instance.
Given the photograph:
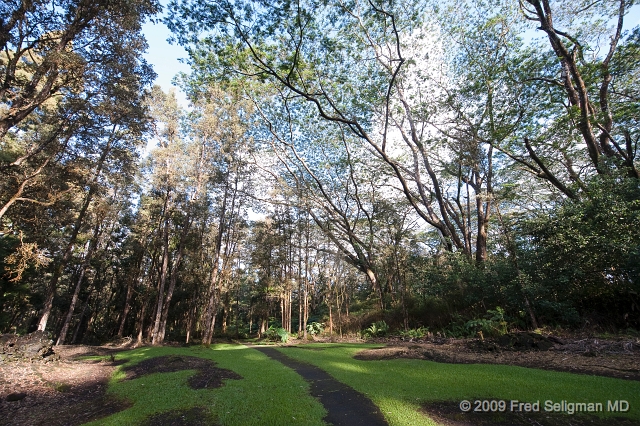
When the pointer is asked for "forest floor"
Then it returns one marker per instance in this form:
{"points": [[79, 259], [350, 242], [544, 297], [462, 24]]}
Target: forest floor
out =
{"points": [[64, 392], [72, 391]]}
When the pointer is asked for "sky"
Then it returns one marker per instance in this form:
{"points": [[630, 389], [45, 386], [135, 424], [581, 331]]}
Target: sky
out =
{"points": [[165, 57]]}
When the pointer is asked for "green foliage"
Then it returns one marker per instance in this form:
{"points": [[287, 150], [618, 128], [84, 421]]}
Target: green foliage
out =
{"points": [[377, 329], [415, 333], [16, 296], [456, 328], [492, 325], [277, 334], [584, 255], [315, 328]]}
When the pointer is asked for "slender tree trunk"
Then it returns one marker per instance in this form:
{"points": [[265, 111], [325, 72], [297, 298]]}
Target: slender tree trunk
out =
{"points": [[141, 323], [172, 285], [306, 275], [330, 319], [127, 307], [481, 239], [225, 313], [74, 299], [300, 295], [53, 283], [212, 305], [338, 305], [376, 285], [211, 310], [155, 337], [290, 309], [125, 311], [76, 332], [181, 245], [282, 319]]}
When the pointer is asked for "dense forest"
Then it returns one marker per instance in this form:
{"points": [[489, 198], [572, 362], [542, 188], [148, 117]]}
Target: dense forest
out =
{"points": [[343, 166]]}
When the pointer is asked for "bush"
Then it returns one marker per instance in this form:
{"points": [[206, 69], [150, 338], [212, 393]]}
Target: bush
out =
{"points": [[377, 329], [492, 325], [277, 333], [315, 328], [415, 333]]}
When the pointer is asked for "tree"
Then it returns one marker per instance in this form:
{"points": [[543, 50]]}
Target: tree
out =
{"points": [[581, 79], [52, 50], [60, 104], [350, 62]]}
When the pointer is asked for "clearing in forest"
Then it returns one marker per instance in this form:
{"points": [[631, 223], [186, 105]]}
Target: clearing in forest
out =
{"points": [[232, 384]]}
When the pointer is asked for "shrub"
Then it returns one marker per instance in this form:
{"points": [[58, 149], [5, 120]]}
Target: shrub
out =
{"points": [[492, 325], [415, 333], [315, 328], [378, 328], [277, 333]]}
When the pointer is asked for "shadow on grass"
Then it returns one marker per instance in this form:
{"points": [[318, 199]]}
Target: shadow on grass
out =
{"points": [[207, 375]]}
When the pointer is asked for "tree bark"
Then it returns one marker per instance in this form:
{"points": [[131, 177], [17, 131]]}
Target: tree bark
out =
{"points": [[92, 246], [155, 336], [53, 283]]}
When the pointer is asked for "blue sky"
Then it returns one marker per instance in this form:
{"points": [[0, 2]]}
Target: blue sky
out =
{"points": [[164, 56]]}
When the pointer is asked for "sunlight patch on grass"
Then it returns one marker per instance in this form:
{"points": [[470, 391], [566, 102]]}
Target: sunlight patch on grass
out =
{"points": [[400, 412]]}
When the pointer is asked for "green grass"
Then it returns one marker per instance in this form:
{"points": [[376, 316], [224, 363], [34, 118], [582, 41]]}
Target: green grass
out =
{"points": [[399, 387], [268, 394], [272, 394]]}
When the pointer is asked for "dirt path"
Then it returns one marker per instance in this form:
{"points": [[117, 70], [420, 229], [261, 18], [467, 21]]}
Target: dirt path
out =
{"points": [[344, 405]]}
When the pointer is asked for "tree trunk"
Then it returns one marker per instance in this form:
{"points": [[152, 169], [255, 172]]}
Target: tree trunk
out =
{"points": [[376, 286], [127, 307], [155, 337], [74, 299], [141, 323], [210, 313], [76, 332], [330, 319], [212, 305], [53, 283], [172, 285]]}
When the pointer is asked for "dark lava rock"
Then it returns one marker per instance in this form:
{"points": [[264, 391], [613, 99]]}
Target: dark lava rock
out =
{"points": [[16, 396], [36, 346], [207, 376], [525, 341]]}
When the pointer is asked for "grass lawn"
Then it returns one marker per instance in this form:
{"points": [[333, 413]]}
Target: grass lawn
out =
{"points": [[399, 387], [272, 394], [268, 394]]}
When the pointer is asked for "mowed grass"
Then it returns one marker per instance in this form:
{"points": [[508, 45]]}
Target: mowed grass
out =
{"points": [[399, 386], [268, 394]]}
